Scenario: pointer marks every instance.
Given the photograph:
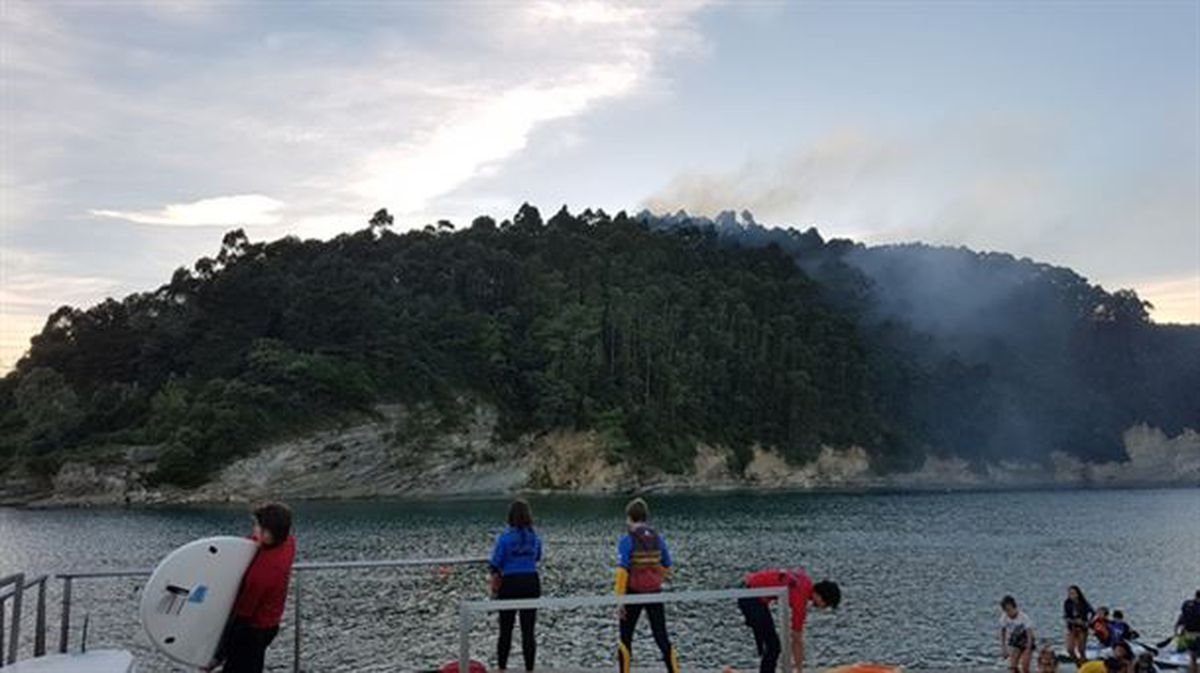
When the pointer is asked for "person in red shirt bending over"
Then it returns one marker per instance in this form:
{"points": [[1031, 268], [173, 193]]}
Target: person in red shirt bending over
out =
{"points": [[260, 601], [801, 592]]}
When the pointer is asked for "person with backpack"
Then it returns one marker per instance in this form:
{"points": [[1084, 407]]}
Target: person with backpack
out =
{"points": [[1187, 629], [514, 569], [801, 592], [643, 562], [1017, 638], [1077, 612]]}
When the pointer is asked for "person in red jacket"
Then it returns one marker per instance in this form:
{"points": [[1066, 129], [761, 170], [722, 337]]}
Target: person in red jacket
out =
{"points": [[263, 594], [801, 592]]}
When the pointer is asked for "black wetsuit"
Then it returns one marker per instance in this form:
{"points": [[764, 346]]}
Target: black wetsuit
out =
{"points": [[518, 586], [766, 637]]}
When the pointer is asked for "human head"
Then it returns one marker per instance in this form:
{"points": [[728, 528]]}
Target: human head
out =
{"points": [[1144, 663], [826, 594], [1009, 605], [1047, 660], [1075, 593], [1122, 651], [520, 514], [274, 523], [1117, 614], [1102, 611], [637, 511]]}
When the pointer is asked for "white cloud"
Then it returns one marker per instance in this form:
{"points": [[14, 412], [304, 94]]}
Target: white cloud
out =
{"points": [[332, 120], [598, 52], [410, 175], [240, 210]]}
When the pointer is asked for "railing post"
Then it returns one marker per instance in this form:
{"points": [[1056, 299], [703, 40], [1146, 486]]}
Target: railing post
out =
{"points": [[64, 631], [464, 638], [15, 628], [785, 627], [39, 632], [296, 625]]}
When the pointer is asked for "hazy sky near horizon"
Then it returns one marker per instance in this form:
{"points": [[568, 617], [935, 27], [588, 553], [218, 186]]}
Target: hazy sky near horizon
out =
{"points": [[136, 133]]}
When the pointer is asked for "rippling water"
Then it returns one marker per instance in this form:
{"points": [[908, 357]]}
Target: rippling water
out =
{"points": [[921, 573]]}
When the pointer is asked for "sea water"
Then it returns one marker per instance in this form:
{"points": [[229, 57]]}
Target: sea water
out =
{"points": [[921, 573]]}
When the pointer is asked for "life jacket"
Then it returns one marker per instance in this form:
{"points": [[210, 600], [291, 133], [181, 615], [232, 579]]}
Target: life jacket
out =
{"points": [[646, 569], [1100, 628]]}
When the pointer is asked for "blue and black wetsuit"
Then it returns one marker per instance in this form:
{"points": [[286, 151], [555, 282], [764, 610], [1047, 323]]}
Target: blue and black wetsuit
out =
{"points": [[515, 559]]}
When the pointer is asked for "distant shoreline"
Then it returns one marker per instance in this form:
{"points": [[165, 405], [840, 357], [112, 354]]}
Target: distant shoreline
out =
{"points": [[166, 502]]}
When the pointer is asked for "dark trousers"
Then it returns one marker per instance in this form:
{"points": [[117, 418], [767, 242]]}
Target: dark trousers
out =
{"points": [[245, 647], [518, 586], [766, 638], [658, 626]]}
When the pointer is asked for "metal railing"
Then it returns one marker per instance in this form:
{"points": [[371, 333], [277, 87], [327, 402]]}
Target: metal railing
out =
{"points": [[17, 594], [468, 609], [69, 578]]}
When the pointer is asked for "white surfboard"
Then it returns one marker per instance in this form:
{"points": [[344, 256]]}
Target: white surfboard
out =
{"points": [[1169, 657], [186, 603], [1166, 657]]}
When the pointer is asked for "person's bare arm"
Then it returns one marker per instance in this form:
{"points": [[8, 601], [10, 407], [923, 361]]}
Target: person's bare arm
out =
{"points": [[1003, 645]]}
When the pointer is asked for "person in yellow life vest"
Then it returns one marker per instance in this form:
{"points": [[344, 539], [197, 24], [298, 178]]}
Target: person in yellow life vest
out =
{"points": [[643, 562]]}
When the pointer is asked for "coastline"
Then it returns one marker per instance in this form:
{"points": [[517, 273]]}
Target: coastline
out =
{"points": [[170, 499], [381, 458]]}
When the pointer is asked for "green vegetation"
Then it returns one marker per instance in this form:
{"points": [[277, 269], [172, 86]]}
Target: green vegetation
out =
{"points": [[656, 335]]}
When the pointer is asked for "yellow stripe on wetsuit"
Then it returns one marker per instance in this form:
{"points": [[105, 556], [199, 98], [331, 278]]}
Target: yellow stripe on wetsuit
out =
{"points": [[622, 582]]}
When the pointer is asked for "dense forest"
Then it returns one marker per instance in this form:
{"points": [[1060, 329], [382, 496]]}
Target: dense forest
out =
{"points": [[656, 332]]}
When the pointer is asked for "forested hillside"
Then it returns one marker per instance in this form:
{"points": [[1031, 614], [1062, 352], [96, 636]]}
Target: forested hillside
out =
{"points": [[658, 333]]}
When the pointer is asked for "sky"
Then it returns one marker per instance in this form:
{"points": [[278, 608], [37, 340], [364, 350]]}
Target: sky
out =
{"points": [[136, 133]]}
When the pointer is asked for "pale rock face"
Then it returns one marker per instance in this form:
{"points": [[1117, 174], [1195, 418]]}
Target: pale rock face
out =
{"points": [[409, 452], [767, 467], [711, 464], [576, 461], [1152, 452], [832, 468], [936, 472]]}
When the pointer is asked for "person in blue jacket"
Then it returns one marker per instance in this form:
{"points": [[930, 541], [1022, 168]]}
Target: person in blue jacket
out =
{"points": [[514, 568]]}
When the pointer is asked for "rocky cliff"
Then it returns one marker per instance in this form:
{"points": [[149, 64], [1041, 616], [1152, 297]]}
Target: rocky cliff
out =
{"points": [[415, 452]]}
